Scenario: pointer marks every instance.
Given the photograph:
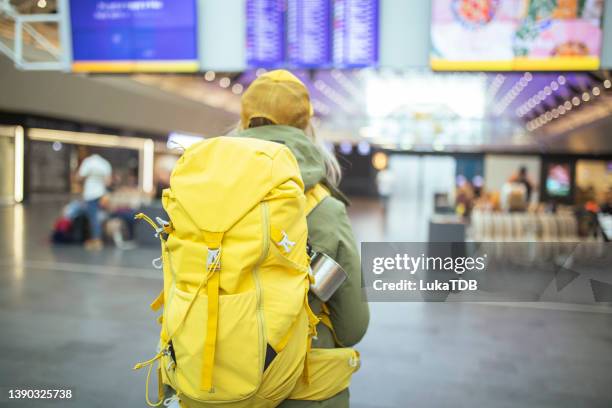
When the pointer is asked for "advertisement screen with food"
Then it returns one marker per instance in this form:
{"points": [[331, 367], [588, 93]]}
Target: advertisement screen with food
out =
{"points": [[516, 35]]}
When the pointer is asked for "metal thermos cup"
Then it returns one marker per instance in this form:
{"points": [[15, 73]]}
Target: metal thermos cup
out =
{"points": [[328, 276]]}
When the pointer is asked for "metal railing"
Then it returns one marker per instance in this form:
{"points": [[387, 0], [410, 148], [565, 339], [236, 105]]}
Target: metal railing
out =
{"points": [[23, 24]]}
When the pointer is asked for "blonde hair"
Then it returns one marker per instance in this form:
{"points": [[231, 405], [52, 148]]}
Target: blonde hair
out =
{"points": [[333, 172]]}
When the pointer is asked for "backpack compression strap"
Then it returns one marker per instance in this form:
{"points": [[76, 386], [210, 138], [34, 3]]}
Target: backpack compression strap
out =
{"points": [[213, 241], [314, 196]]}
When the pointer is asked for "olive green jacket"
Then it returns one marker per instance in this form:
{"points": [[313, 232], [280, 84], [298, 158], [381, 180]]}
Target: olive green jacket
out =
{"points": [[329, 232]]}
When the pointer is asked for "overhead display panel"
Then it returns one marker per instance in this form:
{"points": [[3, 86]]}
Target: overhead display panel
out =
{"points": [[309, 33], [355, 33], [265, 27], [506, 35], [134, 35], [312, 33]]}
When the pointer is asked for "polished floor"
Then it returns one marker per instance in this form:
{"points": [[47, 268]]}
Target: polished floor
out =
{"points": [[71, 319]]}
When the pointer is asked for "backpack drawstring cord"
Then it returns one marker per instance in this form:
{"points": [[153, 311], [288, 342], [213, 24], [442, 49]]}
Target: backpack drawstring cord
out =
{"points": [[150, 363]]}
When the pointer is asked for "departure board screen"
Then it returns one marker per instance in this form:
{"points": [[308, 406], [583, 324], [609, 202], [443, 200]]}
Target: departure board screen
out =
{"points": [[309, 33], [265, 42], [355, 25], [134, 35], [312, 33]]}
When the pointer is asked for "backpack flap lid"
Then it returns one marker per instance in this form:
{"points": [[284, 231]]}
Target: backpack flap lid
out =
{"points": [[217, 181]]}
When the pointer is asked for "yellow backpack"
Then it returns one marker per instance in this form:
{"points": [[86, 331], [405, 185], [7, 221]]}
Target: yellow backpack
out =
{"points": [[236, 325]]}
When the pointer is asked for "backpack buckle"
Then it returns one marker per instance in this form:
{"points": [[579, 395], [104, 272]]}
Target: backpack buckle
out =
{"points": [[213, 263]]}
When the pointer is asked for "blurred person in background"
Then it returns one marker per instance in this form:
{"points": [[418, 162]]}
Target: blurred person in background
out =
{"points": [[606, 206], [464, 197], [385, 182], [163, 169], [517, 191], [478, 185], [523, 178], [276, 107], [488, 201], [605, 217], [96, 174]]}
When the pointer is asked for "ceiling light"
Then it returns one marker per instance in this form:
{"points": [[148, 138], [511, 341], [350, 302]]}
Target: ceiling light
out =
{"points": [[380, 161], [607, 84], [438, 146], [406, 146], [224, 82], [209, 76], [561, 79], [363, 148], [42, 3], [237, 89], [345, 147], [596, 91], [576, 101], [568, 105], [586, 97]]}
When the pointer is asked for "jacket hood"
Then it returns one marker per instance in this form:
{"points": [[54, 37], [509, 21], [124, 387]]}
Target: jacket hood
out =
{"points": [[310, 159]]}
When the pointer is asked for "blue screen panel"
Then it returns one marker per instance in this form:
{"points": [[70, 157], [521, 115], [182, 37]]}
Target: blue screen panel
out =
{"points": [[309, 33], [312, 33], [355, 33], [134, 35], [265, 45]]}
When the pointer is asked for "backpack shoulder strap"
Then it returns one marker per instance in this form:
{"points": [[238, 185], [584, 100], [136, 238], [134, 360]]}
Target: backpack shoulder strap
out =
{"points": [[325, 319], [314, 196]]}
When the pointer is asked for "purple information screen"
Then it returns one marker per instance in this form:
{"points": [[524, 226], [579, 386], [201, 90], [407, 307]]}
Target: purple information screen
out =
{"points": [[134, 35], [309, 33], [265, 45], [355, 33], [312, 33]]}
